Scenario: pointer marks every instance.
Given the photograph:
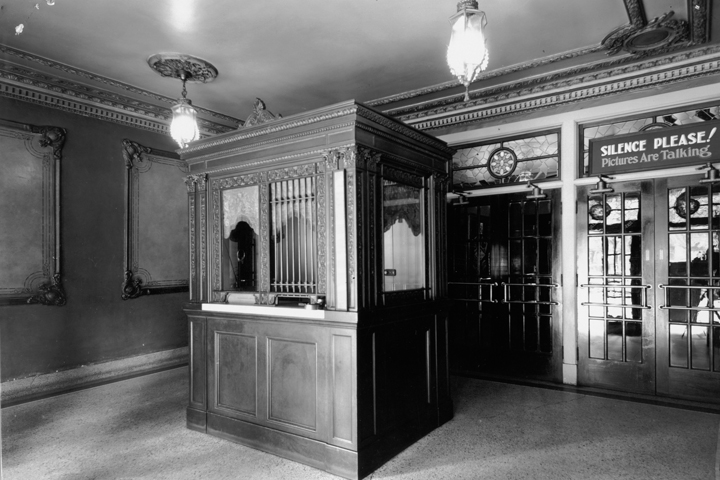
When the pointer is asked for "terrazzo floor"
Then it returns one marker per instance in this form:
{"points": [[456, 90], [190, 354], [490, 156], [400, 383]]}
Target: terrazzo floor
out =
{"points": [[135, 429]]}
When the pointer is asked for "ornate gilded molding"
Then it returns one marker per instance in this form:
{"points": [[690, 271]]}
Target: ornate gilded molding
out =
{"points": [[104, 80], [369, 159], [259, 115], [321, 235], [291, 172], [51, 294], [350, 215], [699, 21], [402, 129], [487, 75], [203, 244], [643, 38], [500, 104], [243, 134], [132, 287], [24, 84], [216, 240], [32, 153], [172, 64], [402, 176], [201, 181], [237, 181], [53, 137], [559, 80], [140, 159], [265, 229], [192, 222], [332, 159], [133, 153]]}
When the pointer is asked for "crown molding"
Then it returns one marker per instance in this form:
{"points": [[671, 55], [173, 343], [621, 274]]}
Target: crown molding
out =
{"points": [[77, 72], [698, 33], [29, 85], [528, 96]]}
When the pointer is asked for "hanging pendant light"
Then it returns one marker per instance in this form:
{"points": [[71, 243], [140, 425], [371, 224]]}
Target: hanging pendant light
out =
{"points": [[184, 127], [467, 53]]}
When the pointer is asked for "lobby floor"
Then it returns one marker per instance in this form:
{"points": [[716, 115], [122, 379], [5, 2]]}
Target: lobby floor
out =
{"points": [[135, 429]]}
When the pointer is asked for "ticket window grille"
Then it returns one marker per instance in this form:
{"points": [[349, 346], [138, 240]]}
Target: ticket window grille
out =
{"points": [[293, 243]]}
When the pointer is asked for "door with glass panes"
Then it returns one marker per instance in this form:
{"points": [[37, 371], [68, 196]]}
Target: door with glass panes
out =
{"points": [[649, 273], [504, 285]]}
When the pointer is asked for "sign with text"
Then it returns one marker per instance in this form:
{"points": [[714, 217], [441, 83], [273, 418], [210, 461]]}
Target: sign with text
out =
{"points": [[657, 148]]}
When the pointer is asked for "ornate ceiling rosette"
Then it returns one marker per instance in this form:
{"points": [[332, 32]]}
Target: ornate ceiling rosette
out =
{"points": [[176, 65]]}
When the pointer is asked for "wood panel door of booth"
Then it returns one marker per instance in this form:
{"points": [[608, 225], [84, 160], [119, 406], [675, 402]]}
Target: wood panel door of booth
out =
{"points": [[649, 276], [504, 285]]}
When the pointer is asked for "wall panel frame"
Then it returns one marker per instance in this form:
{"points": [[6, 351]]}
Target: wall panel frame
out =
{"points": [[156, 225], [30, 214]]}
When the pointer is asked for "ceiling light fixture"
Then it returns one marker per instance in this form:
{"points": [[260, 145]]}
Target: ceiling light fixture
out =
{"points": [[467, 54], [184, 128]]}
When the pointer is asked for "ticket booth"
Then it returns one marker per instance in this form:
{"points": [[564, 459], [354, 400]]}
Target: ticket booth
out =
{"points": [[318, 316]]}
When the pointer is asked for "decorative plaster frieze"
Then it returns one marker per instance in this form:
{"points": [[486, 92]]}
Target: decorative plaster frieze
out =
{"points": [[559, 93], [699, 27], [104, 80], [557, 80], [487, 75]]}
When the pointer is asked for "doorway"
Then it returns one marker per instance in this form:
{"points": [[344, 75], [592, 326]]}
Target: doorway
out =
{"points": [[649, 277], [504, 259]]}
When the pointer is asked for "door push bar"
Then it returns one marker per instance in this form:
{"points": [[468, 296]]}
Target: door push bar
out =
{"points": [[692, 287], [506, 294], [600, 285], [480, 284]]}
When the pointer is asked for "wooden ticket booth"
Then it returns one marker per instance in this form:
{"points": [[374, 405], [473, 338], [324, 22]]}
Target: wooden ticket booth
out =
{"points": [[317, 322]]}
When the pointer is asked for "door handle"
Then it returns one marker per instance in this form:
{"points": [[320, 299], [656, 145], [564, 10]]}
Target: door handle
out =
{"points": [[644, 304]]}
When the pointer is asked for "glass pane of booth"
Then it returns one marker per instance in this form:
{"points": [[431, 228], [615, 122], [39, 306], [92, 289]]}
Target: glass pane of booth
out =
{"points": [[403, 237]]}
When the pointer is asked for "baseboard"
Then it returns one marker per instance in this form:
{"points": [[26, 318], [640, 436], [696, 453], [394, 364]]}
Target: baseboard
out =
{"points": [[41, 386]]}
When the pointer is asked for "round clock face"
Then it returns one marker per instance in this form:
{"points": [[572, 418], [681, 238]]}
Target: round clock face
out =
{"points": [[502, 163]]}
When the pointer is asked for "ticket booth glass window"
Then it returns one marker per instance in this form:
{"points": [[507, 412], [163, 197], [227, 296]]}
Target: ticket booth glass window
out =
{"points": [[403, 236]]}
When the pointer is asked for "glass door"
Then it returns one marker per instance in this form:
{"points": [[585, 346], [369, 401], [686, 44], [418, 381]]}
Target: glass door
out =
{"points": [[504, 269], [616, 323], [688, 266]]}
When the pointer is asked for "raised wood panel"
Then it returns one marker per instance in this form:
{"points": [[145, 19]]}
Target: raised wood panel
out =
{"points": [[236, 372], [402, 373], [198, 379], [293, 379], [342, 388]]}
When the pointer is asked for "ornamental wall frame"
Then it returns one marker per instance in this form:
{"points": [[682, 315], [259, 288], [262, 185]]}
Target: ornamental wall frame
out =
{"points": [[138, 280], [30, 199]]}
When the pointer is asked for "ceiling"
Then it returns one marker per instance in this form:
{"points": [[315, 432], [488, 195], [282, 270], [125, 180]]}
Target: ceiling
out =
{"points": [[300, 55]]}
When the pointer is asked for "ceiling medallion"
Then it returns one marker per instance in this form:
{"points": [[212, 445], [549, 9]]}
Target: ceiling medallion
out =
{"points": [[176, 64], [502, 162], [183, 128]]}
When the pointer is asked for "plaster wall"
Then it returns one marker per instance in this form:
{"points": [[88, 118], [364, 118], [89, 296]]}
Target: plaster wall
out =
{"points": [[96, 325]]}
